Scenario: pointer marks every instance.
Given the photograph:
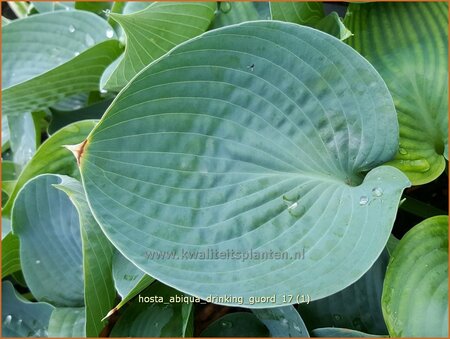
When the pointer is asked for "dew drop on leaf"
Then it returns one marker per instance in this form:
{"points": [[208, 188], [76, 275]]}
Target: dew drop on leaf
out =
{"points": [[402, 151], [109, 33], [8, 319], [377, 192], [77, 53], [225, 7], [363, 200], [71, 29], [226, 324], [38, 262], [89, 40]]}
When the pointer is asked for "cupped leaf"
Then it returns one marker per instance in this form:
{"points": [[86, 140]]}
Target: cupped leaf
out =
{"points": [[99, 292], [249, 139], [333, 24], [49, 56], [21, 318], [407, 44], [415, 291], [145, 318], [153, 31], [67, 322], [334, 332], [282, 322], [239, 324], [52, 157], [357, 307], [48, 228]]}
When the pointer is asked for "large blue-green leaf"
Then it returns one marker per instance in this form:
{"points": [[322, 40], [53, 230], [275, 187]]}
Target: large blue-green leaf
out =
{"points": [[99, 292], [357, 307], [52, 157], [335, 332], [239, 324], [48, 228], [250, 138], [47, 57], [21, 318], [151, 319], [154, 31], [415, 290], [282, 322], [407, 44]]}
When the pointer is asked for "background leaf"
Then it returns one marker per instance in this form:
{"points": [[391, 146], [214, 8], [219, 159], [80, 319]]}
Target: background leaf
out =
{"points": [[334, 332], [154, 31], [52, 157], [357, 307], [230, 13], [218, 147], [239, 324], [67, 322], [415, 291], [21, 318], [302, 13], [99, 292], [75, 57], [48, 228], [10, 254], [282, 322], [407, 44]]}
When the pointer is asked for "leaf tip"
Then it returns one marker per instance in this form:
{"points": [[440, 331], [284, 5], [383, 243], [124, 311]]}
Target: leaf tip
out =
{"points": [[77, 150], [110, 313]]}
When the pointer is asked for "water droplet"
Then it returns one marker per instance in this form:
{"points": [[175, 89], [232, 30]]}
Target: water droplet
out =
{"points": [[226, 324], [19, 322], [284, 322], [103, 91], [377, 192], [107, 12], [109, 33], [420, 165], [402, 151], [77, 53], [71, 29], [297, 328], [38, 262], [89, 40], [363, 200], [294, 205], [156, 324], [225, 7], [8, 319]]}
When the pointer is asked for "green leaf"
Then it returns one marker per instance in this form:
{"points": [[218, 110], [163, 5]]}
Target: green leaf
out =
{"points": [[21, 318], [239, 324], [415, 290], [220, 146], [282, 322], [357, 307], [407, 44], [48, 228], [187, 315], [52, 157], [154, 31], [97, 7], [134, 6], [231, 13], [99, 292], [302, 13], [67, 322], [49, 56], [158, 319], [334, 332], [332, 24], [10, 254], [64, 118], [5, 134]]}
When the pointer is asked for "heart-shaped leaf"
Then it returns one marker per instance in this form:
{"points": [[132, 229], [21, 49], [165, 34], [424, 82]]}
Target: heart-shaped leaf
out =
{"points": [[249, 139], [47, 57], [154, 31], [48, 228], [21, 318], [52, 157], [407, 44], [415, 291]]}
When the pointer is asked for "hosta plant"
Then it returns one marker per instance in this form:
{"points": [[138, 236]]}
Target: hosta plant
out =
{"points": [[224, 169]]}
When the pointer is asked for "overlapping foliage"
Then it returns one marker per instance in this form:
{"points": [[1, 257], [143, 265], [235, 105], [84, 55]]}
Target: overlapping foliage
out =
{"points": [[240, 129]]}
